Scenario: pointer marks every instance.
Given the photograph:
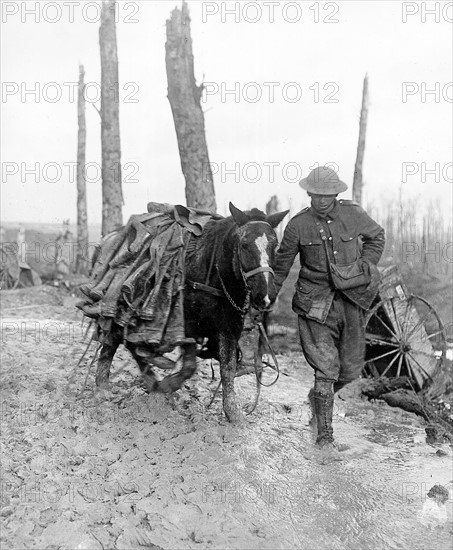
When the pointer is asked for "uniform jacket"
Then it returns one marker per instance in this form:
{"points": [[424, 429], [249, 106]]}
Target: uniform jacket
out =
{"points": [[350, 236]]}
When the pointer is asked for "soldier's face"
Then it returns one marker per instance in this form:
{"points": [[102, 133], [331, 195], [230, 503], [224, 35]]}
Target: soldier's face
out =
{"points": [[322, 203]]}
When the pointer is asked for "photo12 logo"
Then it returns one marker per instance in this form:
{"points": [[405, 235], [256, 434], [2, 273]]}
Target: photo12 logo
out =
{"points": [[427, 12], [55, 92], [290, 495], [48, 412], [436, 172], [50, 491], [54, 12], [434, 92], [55, 172], [254, 172], [412, 490], [51, 331], [270, 12], [270, 92]]}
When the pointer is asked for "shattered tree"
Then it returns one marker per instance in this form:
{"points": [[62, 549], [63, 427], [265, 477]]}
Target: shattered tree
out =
{"points": [[82, 219], [112, 195], [357, 185], [185, 101]]}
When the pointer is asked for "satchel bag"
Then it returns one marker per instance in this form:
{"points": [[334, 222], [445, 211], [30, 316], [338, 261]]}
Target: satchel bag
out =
{"points": [[345, 277], [348, 276]]}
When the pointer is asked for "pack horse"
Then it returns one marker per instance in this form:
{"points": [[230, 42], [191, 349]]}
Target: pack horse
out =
{"points": [[222, 271]]}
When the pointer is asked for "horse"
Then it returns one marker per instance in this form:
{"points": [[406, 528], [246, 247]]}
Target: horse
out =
{"points": [[227, 270]]}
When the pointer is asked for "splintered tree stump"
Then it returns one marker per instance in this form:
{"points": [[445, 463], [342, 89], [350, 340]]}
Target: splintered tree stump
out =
{"points": [[185, 101], [82, 218], [112, 194], [357, 185]]}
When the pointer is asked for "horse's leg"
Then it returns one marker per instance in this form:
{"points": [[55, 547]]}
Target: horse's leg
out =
{"points": [[228, 362], [145, 365], [258, 365], [173, 382], [104, 363]]}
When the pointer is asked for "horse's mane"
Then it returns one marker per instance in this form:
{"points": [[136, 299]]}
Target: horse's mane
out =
{"points": [[216, 230]]}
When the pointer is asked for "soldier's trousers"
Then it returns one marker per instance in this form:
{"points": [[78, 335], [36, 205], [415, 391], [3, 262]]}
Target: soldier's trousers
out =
{"points": [[335, 349]]}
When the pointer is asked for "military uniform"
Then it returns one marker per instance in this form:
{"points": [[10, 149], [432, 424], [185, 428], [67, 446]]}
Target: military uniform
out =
{"points": [[327, 316], [339, 246]]}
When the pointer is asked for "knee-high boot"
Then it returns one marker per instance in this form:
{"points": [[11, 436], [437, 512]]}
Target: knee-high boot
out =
{"points": [[323, 398]]}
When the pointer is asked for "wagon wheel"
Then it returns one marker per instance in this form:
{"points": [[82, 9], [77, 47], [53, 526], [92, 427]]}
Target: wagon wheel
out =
{"points": [[404, 337]]}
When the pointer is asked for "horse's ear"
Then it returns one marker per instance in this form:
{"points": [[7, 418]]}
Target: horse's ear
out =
{"points": [[238, 216], [275, 219]]}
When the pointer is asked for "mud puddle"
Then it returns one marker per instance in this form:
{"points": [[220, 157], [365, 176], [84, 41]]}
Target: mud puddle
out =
{"points": [[123, 469]]}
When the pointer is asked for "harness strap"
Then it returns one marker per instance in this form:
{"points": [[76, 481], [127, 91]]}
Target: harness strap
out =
{"points": [[211, 263], [258, 270], [206, 288]]}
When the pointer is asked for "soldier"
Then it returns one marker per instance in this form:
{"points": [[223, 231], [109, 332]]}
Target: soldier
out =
{"points": [[339, 246]]}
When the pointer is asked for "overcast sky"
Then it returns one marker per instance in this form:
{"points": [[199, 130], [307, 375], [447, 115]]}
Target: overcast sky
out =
{"points": [[296, 68]]}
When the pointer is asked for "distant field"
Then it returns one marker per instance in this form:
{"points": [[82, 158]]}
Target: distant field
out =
{"points": [[39, 251], [11, 229]]}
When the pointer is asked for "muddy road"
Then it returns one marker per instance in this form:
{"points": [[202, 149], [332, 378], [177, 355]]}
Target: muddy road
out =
{"points": [[124, 469]]}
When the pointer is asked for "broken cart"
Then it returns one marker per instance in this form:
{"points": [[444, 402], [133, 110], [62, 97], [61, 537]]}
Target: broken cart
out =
{"points": [[404, 334]]}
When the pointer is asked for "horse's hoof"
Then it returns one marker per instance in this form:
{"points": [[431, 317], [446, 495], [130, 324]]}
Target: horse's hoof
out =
{"points": [[151, 383], [102, 383], [237, 419], [169, 384], [234, 414]]}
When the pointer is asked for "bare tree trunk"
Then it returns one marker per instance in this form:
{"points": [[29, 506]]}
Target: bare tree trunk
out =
{"points": [[273, 206], [357, 185], [184, 96], [112, 195], [82, 218]]}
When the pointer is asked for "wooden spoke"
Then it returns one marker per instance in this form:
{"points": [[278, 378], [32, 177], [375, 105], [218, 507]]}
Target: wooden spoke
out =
{"points": [[400, 363], [373, 369], [400, 325], [383, 355], [389, 366], [387, 327], [424, 353], [418, 325], [400, 330], [376, 340], [435, 334], [406, 312], [420, 367]]}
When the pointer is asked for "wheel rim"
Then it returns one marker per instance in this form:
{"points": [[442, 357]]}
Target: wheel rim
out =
{"points": [[405, 337]]}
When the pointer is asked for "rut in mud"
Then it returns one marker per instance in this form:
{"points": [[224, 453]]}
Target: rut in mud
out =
{"points": [[124, 469]]}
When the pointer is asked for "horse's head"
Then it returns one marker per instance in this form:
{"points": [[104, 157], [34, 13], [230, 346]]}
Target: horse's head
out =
{"points": [[256, 253]]}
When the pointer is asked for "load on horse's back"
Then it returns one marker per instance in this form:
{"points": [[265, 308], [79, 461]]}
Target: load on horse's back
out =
{"points": [[181, 277]]}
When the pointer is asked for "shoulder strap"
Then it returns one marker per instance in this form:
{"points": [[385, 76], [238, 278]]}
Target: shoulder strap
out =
{"points": [[324, 242], [348, 202]]}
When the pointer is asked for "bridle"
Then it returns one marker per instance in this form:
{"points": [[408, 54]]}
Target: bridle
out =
{"points": [[223, 293], [245, 275]]}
